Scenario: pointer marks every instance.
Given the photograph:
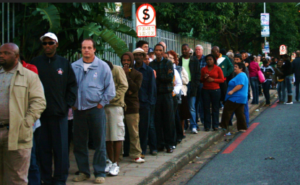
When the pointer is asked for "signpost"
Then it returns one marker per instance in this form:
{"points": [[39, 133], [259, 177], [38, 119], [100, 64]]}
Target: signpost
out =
{"points": [[146, 21], [264, 22], [282, 49]]}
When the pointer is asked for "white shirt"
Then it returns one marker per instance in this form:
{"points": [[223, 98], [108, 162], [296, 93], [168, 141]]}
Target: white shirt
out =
{"points": [[86, 66], [177, 82]]}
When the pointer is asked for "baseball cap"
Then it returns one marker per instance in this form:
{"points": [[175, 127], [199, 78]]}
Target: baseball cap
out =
{"points": [[150, 50], [139, 50], [50, 35]]}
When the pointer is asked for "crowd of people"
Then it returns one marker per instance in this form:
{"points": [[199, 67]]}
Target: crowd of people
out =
{"points": [[152, 99]]}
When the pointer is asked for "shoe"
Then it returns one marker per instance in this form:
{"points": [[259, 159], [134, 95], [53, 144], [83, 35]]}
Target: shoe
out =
{"points": [[169, 150], [228, 134], [198, 129], [99, 180], [114, 170], [288, 103], [194, 131], [266, 105], [138, 160], [215, 129], [174, 147], [162, 149], [108, 165], [81, 177], [154, 153], [290, 100], [242, 130], [142, 156], [206, 129], [179, 141]]}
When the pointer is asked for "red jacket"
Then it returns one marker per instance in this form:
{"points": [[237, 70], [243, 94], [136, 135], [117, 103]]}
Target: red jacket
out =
{"points": [[30, 67], [216, 73]]}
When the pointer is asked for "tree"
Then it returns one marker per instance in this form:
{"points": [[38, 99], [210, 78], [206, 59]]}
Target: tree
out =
{"points": [[71, 22]]}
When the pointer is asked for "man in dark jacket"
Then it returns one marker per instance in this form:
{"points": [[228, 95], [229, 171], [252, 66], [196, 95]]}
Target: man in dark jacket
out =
{"points": [[296, 71], [59, 81], [164, 113], [192, 66], [132, 116], [288, 73]]}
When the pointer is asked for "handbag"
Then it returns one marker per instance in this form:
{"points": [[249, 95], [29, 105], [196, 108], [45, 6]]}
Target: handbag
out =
{"points": [[261, 77]]}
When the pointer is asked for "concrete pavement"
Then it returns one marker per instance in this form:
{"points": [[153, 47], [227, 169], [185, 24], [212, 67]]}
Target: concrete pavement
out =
{"points": [[157, 169]]}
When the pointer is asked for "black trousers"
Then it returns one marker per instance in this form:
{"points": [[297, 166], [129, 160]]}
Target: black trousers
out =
{"points": [[178, 132], [223, 89], [144, 127], [164, 120], [211, 97]]}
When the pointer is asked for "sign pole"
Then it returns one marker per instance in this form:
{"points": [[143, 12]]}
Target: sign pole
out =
{"points": [[265, 12], [133, 10]]}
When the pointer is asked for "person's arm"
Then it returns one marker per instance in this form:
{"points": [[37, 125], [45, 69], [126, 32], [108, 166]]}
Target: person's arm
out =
{"points": [[71, 87], [151, 88], [109, 91], [134, 84], [241, 79], [36, 101], [122, 81], [236, 88], [178, 83], [220, 78], [167, 77]]}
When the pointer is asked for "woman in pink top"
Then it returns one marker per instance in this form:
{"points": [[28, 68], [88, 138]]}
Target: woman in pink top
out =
{"points": [[253, 70]]}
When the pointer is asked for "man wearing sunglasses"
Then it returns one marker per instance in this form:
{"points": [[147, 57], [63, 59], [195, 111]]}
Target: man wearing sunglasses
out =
{"points": [[60, 88]]}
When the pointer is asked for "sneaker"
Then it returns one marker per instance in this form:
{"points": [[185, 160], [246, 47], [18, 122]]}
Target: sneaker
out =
{"points": [[138, 160], [174, 147], [228, 134], [99, 180], [288, 103], [81, 177], [108, 165], [194, 131], [114, 170]]}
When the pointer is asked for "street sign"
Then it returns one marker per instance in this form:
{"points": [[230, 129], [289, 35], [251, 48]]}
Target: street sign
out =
{"points": [[266, 49], [264, 22], [146, 21], [282, 49]]}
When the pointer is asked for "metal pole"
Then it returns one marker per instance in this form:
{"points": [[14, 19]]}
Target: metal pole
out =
{"points": [[7, 22], [133, 11], [265, 12], [2, 23]]}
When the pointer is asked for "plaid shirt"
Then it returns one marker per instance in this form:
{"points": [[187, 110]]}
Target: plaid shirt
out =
{"points": [[202, 62], [164, 81]]}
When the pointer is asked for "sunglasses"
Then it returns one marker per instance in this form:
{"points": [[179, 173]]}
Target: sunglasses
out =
{"points": [[49, 43]]}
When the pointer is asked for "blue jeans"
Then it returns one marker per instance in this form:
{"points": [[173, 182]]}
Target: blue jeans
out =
{"points": [[199, 104], [281, 91], [211, 97], [288, 84], [266, 90], [254, 87], [152, 141], [192, 103]]}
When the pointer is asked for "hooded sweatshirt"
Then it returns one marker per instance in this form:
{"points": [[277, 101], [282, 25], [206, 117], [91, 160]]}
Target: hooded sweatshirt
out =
{"points": [[134, 79]]}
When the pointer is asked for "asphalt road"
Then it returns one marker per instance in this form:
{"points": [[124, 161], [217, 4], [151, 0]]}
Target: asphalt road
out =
{"points": [[268, 155]]}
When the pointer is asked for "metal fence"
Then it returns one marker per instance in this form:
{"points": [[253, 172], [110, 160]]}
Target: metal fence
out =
{"points": [[8, 22]]}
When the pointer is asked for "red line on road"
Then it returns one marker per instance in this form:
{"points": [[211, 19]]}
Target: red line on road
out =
{"points": [[274, 105], [236, 143]]}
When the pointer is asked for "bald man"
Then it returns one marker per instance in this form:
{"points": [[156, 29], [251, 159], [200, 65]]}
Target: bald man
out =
{"points": [[296, 71], [22, 101]]}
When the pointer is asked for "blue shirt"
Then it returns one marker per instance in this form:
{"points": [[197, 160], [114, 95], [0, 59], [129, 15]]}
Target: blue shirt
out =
{"points": [[240, 96], [148, 88], [95, 86]]}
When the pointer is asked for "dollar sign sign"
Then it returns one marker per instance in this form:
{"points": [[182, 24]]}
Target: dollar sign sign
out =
{"points": [[147, 16]]}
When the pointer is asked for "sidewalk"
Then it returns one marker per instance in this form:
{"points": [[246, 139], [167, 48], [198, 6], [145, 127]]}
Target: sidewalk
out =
{"points": [[157, 169]]}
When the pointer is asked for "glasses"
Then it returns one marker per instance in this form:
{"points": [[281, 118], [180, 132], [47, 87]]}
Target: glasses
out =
{"points": [[49, 43]]}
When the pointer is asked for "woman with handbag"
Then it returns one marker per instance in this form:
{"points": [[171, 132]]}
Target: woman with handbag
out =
{"points": [[253, 74]]}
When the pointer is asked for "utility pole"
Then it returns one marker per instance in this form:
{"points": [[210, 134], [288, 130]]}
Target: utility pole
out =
{"points": [[133, 12]]}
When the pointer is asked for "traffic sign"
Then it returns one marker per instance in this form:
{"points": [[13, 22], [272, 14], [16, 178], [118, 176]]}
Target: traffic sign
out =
{"points": [[146, 21], [282, 49]]}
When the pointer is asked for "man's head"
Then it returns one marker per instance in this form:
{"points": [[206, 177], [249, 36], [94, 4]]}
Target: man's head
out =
{"points": [[280, 63], [185, 49], [9, 55], [151, 53], [139, 55], [159, 50], [215, 51], [298, 53], [50, 43], [146, 60], [237, 58], [143, 44], [164, 45], [88, 48], [199, 50], [243, 54]]}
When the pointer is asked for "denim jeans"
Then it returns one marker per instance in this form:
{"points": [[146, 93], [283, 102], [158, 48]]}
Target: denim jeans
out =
{"points": [[199, 104], [288, 84], [281, 91], [192, 103], [152, 141], [266, 90], [254, 87], [211, 97]]}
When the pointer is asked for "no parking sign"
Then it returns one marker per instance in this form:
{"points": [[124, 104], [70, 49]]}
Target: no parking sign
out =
{"points": [[146, 21]]}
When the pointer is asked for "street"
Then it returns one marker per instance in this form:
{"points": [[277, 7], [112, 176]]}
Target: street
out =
{"points": [[268, 153]]}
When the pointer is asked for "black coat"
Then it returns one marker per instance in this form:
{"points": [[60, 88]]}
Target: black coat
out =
{"points": [[195, 74], [296, 68]]}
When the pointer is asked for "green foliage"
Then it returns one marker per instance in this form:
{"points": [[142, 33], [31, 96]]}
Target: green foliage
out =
{"points": [[51, 14]]}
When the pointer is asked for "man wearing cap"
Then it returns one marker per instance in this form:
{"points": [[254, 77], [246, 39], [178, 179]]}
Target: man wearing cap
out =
{"points": [[151, 54], [60, 88], [22, 101], [146, 96]]}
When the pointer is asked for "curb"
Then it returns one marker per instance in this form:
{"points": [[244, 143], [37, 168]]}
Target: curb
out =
{"points": [[173, 165]]}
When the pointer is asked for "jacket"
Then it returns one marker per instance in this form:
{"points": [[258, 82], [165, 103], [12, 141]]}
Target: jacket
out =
{"points": [[195, 74], [134, 79], [287, 68], [267, 69], [296, 68], [279, 75], [59, 81], [225, 64], [121, 86], [96, 86], [27, 102]]}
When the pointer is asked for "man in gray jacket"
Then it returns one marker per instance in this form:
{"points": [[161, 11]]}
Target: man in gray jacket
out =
{"points": [[95, 89]]}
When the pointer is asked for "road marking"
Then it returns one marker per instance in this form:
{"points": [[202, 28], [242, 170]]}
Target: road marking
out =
{"points": [[236, 143], [274, 105]]}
